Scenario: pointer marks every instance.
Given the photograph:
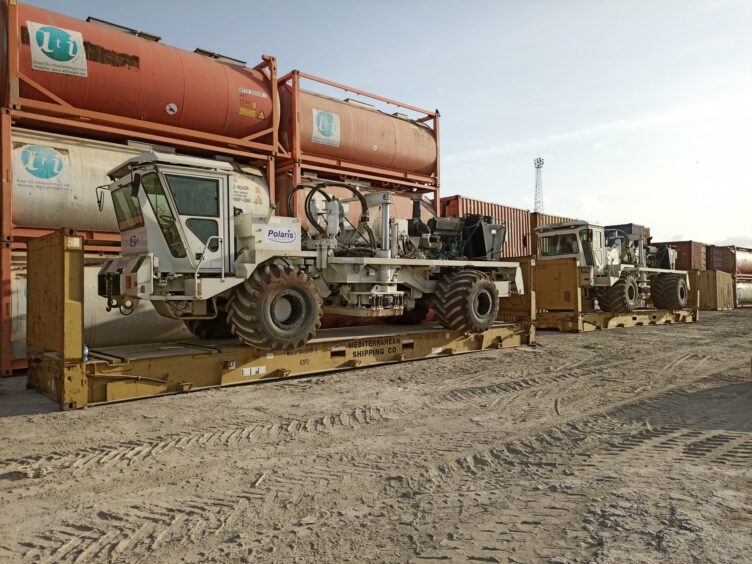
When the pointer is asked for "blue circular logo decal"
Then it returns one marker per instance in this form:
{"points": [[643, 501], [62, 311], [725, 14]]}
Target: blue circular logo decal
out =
{"points": [[43, 162], [56, 43], [325, 123]]}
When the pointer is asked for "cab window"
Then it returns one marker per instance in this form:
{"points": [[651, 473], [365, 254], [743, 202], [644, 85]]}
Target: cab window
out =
{"points": [[166, 219], [195, 196], [127, 209], [587, 245], [557, 245]]}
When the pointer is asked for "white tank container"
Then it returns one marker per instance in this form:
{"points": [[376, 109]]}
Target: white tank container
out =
{"points": [[55, 178]]}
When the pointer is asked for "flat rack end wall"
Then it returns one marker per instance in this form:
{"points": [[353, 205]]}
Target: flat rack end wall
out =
{"points": [[55, 314], [57, 367]]}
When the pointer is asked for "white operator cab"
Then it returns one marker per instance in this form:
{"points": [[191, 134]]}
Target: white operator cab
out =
{"points": [[175, 216], [583, 241]]}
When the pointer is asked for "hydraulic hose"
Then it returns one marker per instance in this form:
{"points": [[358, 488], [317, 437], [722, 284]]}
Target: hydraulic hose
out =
{"points": [[319, 188]]}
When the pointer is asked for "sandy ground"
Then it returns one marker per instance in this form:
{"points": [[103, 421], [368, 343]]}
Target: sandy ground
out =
{"points": [[630, 445]]}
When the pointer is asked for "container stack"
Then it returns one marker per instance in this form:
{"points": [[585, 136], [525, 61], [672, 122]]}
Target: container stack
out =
{"points": [[737, 261]]}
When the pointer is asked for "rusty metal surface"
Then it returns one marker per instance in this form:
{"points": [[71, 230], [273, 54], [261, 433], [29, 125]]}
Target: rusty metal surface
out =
{"points": [[136, 78], [517, 221]]}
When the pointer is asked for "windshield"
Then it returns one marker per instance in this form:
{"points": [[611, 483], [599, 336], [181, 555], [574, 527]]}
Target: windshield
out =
{"points": [[556, 245], [161, 206], [127, 209]]}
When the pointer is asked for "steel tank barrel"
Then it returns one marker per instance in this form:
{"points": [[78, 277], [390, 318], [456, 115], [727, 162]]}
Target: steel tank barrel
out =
{"points": [[744, 292], [97, 68], [55, 179], [359, 134], [744, 261]]}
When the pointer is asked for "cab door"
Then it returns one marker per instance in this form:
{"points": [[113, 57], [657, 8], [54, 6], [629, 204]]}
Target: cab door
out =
{"points": [[202, 205]]}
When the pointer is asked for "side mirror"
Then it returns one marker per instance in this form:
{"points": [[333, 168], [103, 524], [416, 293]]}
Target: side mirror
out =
{"points": [[100, 196], [135, 185]]}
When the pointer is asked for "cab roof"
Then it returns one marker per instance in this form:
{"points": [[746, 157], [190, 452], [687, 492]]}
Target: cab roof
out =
{"points": [[576, 224], [155, 157]]}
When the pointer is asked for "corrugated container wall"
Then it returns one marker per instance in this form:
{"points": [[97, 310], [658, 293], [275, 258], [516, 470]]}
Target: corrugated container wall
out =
{"points": [[538, 219], [691, 255], [517, 221]]}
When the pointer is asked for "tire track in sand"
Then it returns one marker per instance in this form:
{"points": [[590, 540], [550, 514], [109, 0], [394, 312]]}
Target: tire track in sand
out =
{"points": [[131, 452]]}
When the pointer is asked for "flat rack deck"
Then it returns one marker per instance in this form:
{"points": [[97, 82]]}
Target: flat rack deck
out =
{"points": [[584, 321], [136, 371]]}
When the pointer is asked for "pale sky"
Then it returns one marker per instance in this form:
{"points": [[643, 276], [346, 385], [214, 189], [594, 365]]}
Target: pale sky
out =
{"points": [[642, 110]]}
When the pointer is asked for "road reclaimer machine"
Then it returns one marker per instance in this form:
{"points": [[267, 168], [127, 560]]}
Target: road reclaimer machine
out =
{"points": [[601, 277], [201, 241]]}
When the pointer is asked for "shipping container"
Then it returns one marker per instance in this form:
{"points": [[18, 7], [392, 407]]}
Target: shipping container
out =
{"points": [[537, 220], [738, 262], [690, 255], [109, 86], [517, 221]]}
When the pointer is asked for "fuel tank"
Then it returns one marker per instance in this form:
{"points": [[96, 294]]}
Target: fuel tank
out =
{"points": [[99, 68], [357, 133]]}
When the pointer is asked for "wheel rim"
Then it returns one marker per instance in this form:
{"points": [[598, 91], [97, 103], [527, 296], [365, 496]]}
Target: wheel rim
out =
{"points": [[631, 293], [682, 293], [483, 304], [287, 310]]}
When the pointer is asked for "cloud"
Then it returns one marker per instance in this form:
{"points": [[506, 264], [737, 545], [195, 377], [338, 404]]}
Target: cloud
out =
{"points": [[687, 113]]}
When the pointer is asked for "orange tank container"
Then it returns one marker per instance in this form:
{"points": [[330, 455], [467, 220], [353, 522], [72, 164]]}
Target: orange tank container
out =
{"points": [[121, 74], [356, 133]]}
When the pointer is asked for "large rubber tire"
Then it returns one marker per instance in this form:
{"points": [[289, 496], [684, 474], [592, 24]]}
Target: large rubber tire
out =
{"points": [[216, 328], [622, 297], [414, 316], [466, 300], [278, 308], [669, 291]]}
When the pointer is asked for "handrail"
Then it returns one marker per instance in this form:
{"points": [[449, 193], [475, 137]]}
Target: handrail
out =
{"points": [[221, 241]]}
